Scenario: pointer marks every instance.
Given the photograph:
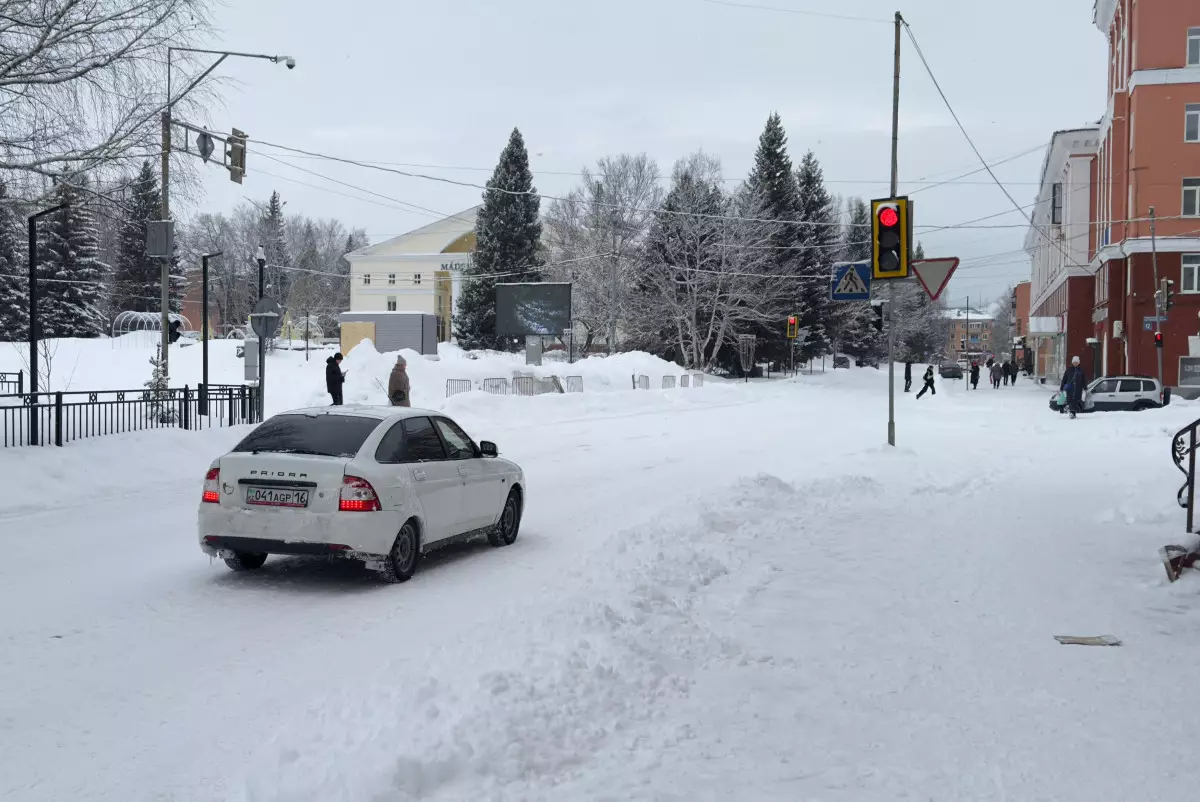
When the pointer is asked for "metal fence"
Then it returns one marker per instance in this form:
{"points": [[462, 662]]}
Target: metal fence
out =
{"points": [[11, 383], [574, 384], [668, 383], [58, 418], [685, 380], [495, 386], [456, 386], [641, 383]]}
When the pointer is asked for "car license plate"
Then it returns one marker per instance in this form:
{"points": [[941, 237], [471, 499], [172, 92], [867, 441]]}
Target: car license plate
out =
{"points": [[276, 497]]}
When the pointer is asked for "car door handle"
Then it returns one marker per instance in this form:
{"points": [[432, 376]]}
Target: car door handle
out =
{"points": [[419, 476]]}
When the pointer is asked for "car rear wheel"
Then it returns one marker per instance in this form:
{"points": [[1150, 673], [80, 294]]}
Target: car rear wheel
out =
{"points": [[509, 526], [401, 562], [1142, 406], [245, 561]]}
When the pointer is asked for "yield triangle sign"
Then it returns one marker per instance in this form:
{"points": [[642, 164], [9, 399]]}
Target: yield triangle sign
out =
{"points": [[934, 274]]}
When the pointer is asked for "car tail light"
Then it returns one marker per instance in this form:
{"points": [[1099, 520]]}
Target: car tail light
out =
{"points": [[212, 486], [358, 496]]}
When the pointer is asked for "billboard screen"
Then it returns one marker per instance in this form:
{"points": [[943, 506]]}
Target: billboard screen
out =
{"points": [[523, 309]]}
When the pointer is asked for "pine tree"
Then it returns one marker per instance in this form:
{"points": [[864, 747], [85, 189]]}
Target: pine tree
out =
{"points": [[508, 235], [71, 277], [773, 182], [161, 408], [274, 243], [819, 238], [137, 278], [14, 279], [859, 338]]}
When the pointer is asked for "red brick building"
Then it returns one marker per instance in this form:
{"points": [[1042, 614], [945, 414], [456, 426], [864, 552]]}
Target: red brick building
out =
{"points": [[1147, 156]]}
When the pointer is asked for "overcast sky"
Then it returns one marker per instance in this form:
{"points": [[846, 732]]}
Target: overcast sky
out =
{"points": [[442, 82]]}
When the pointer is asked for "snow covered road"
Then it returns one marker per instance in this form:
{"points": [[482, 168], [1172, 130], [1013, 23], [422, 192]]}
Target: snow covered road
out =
{"points": [[728, 593]]}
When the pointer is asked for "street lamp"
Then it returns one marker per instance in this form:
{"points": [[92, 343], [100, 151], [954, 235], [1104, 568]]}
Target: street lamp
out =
{"points": [[288, 61], [204, 333], [33, 319]]}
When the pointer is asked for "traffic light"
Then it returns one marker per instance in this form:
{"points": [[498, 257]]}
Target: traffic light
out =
{"points": [[793, 327], [878, 322], [1158, 339], [1168, 294], [891, 234], [237, 156]]}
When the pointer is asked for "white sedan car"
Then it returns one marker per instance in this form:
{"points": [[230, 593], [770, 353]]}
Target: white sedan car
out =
{"points": [[384, 485]]}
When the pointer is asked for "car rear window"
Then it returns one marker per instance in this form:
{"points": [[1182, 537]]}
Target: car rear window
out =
{"points": [[323, 435], [1130, 386]]}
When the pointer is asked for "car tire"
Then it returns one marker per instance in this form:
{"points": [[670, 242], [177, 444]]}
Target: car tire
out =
{"points": [[1142, 406], [245, 561], [509, 526], [401, 562]]}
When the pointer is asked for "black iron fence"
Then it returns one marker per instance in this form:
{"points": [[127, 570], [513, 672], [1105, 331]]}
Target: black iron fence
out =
{"points": [[12, 382], [58, 418]]}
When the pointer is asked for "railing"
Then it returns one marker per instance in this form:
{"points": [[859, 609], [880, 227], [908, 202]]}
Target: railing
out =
{"points": [[57, 418], [12, 383], [668, 383], [1183, 450], [456, 386], [574, 384], [495, 386], [685, 380]]}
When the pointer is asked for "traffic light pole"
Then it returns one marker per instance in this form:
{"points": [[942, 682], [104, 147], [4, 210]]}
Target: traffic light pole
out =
{"points": [[892, 284]]}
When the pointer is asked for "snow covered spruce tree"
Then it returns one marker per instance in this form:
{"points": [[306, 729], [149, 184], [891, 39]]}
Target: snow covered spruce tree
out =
{"points": [[161, 409], [14, 278], [71, 277], [273, 234], [508, 236], [819, 238], [773, 183], [137, 278]]}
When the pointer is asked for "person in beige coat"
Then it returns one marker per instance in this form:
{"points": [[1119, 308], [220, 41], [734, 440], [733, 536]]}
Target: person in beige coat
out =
{"points": [[399, 392]]}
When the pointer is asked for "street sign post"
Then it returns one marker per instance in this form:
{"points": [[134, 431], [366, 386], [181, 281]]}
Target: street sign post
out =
{"points": [[934, 274], [264, 320], [851, 281]]}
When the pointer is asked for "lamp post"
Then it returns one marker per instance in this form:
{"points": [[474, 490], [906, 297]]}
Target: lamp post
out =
{"points": [[33, 319], [261, 258], [204, 333], [166, 157]]}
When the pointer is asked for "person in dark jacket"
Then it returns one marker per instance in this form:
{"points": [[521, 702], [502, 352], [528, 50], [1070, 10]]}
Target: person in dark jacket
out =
{"points": [[907, 376], [1074, 382], [1007, 368], [974, 375], [334, 378], [928, 383]]}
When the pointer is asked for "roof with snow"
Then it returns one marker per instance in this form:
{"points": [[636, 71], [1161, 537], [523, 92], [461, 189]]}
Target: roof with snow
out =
{"points": [[962, 314], [453, 234]]}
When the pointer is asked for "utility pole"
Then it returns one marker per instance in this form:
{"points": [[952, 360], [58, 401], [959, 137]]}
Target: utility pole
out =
{"points": [[891, 284], [204, 332], [33, 320], [1160, 297]]}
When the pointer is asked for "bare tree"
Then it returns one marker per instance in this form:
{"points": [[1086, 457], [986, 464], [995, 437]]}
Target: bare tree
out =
{"points": [[704, 276], [82, 82], [596, 234]]}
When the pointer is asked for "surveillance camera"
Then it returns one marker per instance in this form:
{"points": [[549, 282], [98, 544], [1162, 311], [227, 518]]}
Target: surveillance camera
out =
{"points": [[290, 62]]}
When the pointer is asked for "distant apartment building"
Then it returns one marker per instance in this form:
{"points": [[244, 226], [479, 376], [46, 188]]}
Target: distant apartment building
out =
{"points": [[969, 333], [1093, 276]]}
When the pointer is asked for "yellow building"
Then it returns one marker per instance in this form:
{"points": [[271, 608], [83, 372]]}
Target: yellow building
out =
{"points": [[420, 271]]}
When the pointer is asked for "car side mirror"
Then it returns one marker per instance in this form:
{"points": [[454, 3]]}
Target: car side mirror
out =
{"points": [[488, 449]]}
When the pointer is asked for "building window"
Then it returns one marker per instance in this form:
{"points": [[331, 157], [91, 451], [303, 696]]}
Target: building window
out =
{"points": [[1191, 272], [1191, 128], [1056, 204], [416, 278], [391, 301], [392, 278], [366, 279], [1194, 47], [1191, 197]]}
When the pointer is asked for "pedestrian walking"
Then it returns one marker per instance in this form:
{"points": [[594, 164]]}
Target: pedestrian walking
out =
{"points": [[907, 375], [398, 386], [334, 378], [1074, 382], [996, 372], [975, 375], [1016, 369], [1007, 367], [928, 383]]}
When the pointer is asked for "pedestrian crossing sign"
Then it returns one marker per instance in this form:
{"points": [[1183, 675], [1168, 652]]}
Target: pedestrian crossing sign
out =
{"points": [[851, 281]]}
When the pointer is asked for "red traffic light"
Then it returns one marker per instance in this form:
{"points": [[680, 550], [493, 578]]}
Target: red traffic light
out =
{"points": [[792, 320], [888, 216], [1158, 339]]}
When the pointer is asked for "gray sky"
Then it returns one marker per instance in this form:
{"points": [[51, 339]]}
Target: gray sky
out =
{"points": [[442, 82]]}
